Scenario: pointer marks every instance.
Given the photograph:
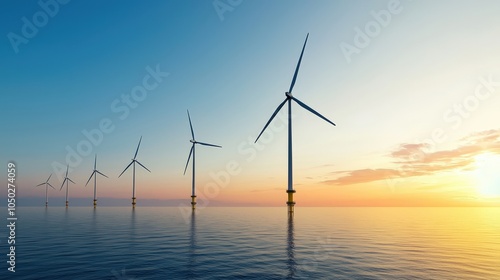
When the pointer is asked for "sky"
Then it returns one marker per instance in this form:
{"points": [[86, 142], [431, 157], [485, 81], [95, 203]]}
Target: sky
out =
{"points": [[413, 87]]}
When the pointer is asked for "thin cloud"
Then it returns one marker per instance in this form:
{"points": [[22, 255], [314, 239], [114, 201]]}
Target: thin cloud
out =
{"points": [[362, 176], [412, 160], [407, 151]]}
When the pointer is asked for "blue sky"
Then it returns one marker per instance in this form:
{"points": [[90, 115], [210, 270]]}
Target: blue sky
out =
{"points": [[231, 74]]}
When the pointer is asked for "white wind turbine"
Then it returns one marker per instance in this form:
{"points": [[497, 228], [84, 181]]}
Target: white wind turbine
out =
{"points": [[133, 162], [94, 173], [66, 180], [192, 151], [47, 185], [288, 99]]}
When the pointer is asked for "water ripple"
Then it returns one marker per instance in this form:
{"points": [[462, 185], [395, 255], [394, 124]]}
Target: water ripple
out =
{"points": [[259, 243]]}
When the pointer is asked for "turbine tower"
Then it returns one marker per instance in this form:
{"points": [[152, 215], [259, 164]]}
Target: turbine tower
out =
{"points": [[66, 180], [133, 162], [94, 173], [288, 100], [192, 151], [47, 185]]}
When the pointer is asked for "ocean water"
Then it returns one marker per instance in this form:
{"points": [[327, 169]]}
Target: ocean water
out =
{"points": [[256, 243]]}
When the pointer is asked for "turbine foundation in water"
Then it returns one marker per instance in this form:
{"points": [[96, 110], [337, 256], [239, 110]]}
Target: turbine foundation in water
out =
{"points": [[193, 202], [290, 203]]}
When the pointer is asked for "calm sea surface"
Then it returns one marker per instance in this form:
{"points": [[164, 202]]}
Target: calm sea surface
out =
{"points": [[256, 243]]}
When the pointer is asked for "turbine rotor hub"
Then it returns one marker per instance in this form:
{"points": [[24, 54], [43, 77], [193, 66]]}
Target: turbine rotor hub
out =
{"points": [[288, 94]]}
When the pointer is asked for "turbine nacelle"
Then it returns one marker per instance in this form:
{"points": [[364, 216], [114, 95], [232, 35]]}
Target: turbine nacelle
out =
{"points": [[288, 94], [192, 141]]}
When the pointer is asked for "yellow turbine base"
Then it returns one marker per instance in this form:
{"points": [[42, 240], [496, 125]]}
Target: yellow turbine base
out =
{"points": [[290, 203], [133, 202], [95, 203], [67, 203], [193, 202]]}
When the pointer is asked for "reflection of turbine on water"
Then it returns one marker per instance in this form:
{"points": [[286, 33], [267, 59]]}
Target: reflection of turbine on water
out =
{"points": [[290, 249], [122, 274], [132, 223], [192, 247], [94, 220], [133, 234]]}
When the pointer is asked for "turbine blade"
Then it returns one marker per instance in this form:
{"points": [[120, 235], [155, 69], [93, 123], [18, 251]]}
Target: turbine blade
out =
{"points": [[51, 186], [190, 125], [272, 117], [311, 110], [71, 181], [64, 181], [90, 178], [298, 66], [67, 168], [136, 151], [142, 165], [126, 168], [41, 184], [101, 174], [189, 157], [211, 145], [95, 162], [49, 177]]}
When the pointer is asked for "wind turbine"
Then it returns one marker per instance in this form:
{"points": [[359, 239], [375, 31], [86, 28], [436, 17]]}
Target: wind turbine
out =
{"points": [[94, 173], [47, 185], [133, 162], [288, 99], [66, 180], [194, 142]]}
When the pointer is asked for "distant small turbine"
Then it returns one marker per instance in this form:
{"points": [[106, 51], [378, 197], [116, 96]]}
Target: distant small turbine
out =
{"points": [[94, 173], [133, 162], [194, 142], [289, 98], [47, 185], [66, 180]]}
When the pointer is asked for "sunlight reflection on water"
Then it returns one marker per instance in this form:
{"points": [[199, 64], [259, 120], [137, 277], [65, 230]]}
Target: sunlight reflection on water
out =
{"points": [[259, 243]]}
